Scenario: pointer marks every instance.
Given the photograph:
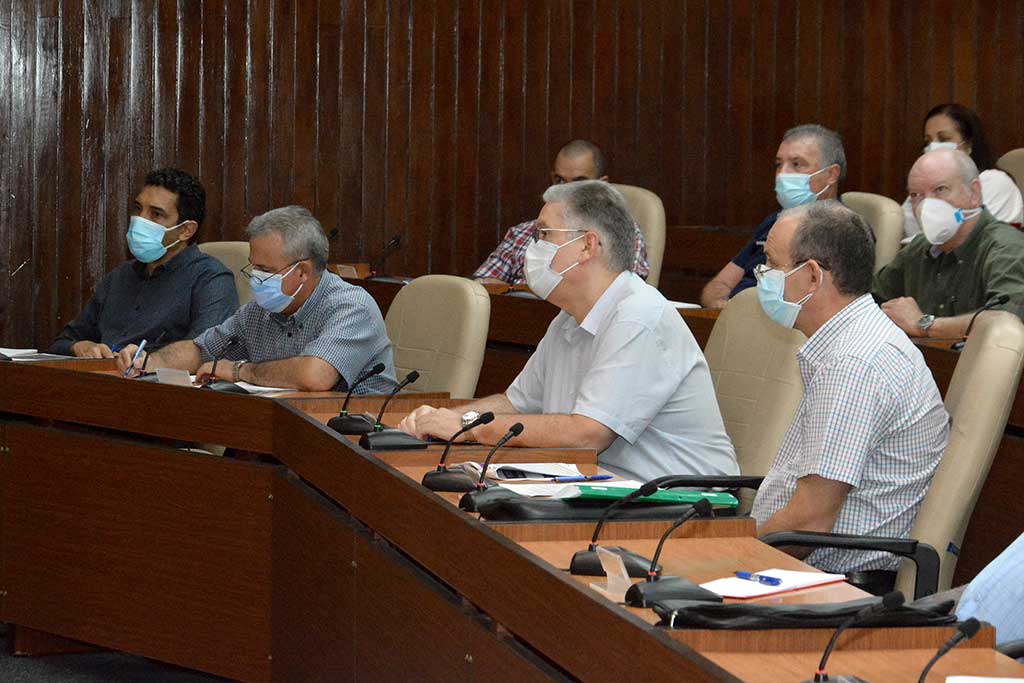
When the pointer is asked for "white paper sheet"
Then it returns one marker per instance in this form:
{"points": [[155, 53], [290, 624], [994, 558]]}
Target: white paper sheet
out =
{"points": [[683, 304], [562, 490], [541, 470], [14, 353], [734, 587]]}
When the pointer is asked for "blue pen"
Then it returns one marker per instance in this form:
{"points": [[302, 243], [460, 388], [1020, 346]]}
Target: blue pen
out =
{"points": [[138, 352], [760, 578], [574, 478]]}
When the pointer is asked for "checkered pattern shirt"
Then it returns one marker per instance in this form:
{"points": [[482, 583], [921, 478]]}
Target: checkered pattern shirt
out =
{"points": [[871, 417], [339, 323], [506, 261], [996, 595]]}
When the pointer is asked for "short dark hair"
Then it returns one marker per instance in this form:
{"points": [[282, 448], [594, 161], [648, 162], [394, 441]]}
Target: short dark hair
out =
{"points": [[969, 126], [579, 147], [839, 240], [191, 194]]}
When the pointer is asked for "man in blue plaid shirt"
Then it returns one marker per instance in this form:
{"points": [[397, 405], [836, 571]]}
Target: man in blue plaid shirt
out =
{"points": [[871, 427], [577, 160]]}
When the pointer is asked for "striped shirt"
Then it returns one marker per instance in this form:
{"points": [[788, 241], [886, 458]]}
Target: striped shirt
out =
{"points": [[871, 417], [339, 323], [996, 595]]}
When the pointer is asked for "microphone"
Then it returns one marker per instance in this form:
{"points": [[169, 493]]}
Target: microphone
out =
{"points": [[889, 601], [964, 631], [998, 301], [223, 385], [657, 588], [391, 439], [587, 563], [355, 424], [443, 479], [389, 248], [468, 501]]}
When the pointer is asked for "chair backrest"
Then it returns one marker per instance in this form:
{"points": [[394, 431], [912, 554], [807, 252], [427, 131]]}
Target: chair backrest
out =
{"points": [[234, 256], [438, 326], [886, 220], [1013, 163], [980, 395], [756, 377], [649, 214]]}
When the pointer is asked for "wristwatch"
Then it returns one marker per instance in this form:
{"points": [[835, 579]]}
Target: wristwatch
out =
{"points": [[469, 418], [925, 322], [236, 371]]}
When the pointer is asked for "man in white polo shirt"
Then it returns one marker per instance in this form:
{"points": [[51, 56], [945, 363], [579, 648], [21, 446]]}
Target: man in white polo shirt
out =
{"points": [[617, 371]]}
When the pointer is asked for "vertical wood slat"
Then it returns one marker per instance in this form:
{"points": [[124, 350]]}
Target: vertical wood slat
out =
{"points": [[439, 120]]}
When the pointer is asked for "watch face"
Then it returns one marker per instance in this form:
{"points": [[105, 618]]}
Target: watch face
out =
{"points": [[469, 418]]}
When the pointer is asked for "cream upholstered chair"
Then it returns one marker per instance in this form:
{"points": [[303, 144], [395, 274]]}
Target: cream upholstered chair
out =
{"points": [[980, 395], [886, 220], [649, 214], [757, 381], [438, 326], [1013, 163], [235, 256]]}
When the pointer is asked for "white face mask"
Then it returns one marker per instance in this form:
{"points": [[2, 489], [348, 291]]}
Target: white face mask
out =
{"points": [[539, 276], [940, 220], [932, 146]]}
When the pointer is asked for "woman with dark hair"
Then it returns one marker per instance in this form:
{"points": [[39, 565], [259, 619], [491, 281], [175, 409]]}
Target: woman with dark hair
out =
{"points": [[954, 126]]}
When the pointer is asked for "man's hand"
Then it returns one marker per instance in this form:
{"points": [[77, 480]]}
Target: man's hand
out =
{"points": [[225, 371], [124, 360], [427, 420], [88, 349], [905, 312]]}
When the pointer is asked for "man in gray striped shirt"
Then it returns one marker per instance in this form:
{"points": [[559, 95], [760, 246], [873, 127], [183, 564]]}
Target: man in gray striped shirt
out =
{"points": [[871, 427], [307, 328]]}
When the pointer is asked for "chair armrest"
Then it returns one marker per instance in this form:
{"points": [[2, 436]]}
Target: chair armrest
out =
{"points": [[1012, 648], [711, 481], [922, 554]]}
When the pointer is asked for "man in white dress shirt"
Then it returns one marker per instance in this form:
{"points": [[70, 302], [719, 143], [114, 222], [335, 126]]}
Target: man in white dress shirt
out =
{"points": [[617, 371]]}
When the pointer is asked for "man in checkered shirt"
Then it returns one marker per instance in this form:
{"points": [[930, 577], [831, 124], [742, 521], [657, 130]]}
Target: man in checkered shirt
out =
{"points": [[307, 329], [577, 160], [871, 427]]}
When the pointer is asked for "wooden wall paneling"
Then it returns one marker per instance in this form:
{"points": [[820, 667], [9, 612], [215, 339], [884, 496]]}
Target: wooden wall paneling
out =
{"points": [[651, 135], [692, 198], [765, 134], [190, 95], [165, 85], [417, 220], [374, 159], [19, 189], [328, 122], [46, 135], [67, 259], [6, 176], [511, 189], [233, 215], [141, 93], [444, 246], [306, 104], [626, 135], [212, 108], [282, 125], [851, 122], [488, 170], [465, 225], [834, 43], [258, 100], [872, 103], [808, 62], [582, 55], [397, 151], [536, 144], [943, 33], [988, 90], [352, 238], [964, 49], [1009, 117], [741, 112], [116, 125], [605, 55], [786, 81], [559, 102]]}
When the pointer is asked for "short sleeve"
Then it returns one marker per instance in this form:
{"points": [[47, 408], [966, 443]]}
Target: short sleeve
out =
{"points": [[350, 337], [526, 393], [216, 342], [846, 405], [630, 380], [1001, 196]]}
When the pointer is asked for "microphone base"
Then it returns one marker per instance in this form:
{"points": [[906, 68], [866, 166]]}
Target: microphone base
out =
{"points": [[468, 501], [836, 679], [448, 480], [647, 593], [224, 387], [352, 424], [390, 440], [587, 563]]}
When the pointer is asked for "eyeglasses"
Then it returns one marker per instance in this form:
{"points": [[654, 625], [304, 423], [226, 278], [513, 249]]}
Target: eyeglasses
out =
{"points": [[248, 268], [763, 269], [539, 234]]}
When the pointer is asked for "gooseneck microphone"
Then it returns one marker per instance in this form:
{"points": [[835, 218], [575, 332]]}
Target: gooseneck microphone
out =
{"points": [[443, 479], [964, 631], [223, 385], [392, 245], [587, 563], [671, 587], [889, 601], [355, 424], [468, 501], [998, 301], [391, 439]]}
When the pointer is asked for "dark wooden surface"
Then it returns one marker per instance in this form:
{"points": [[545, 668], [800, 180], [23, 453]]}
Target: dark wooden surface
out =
{"points": [[438, 120]]}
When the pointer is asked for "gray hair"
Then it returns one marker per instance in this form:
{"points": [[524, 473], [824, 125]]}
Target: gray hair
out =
{"points": [[300, 232], [830, 145], [838, 239], [965, 164], [596, 205]]}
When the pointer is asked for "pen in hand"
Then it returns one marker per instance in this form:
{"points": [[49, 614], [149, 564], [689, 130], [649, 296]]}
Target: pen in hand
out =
{"points": [[138, 352]]}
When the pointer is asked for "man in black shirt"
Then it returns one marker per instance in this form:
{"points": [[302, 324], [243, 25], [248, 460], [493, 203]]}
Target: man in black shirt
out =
{"points": [[169, 291]]}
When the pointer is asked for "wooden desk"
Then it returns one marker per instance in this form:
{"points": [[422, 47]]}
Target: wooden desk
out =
{"points": [[517, 325]]}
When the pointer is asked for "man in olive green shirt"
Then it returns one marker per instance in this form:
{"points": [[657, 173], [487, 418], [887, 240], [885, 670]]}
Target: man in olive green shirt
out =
{"points": [[964, 259]]}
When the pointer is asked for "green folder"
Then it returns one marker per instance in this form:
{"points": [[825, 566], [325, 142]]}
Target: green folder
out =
{"points": [[663, 496]]}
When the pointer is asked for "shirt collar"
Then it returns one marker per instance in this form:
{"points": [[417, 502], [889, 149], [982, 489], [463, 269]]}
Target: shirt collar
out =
{"points": [[311, 303], [183, 258], [601, 309], [815, 348]]}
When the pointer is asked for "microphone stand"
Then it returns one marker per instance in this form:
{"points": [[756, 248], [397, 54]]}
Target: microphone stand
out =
{"points": [[381, 439], [443, 479], [344, 423], [468, 501]]}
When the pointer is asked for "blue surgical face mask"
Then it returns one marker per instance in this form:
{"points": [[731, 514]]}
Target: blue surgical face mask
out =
{"points": [[146, 239], [794, 189], [266, 289], [771, 288]]}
